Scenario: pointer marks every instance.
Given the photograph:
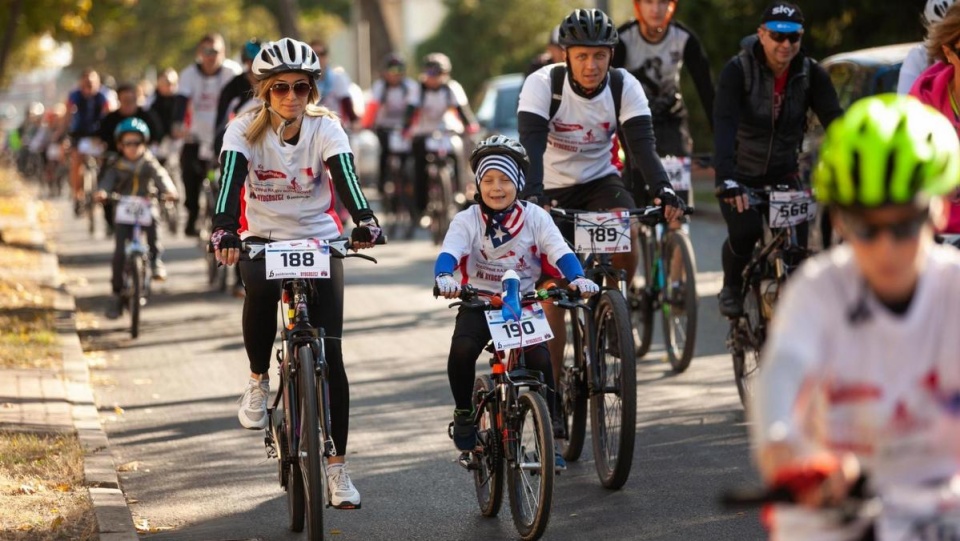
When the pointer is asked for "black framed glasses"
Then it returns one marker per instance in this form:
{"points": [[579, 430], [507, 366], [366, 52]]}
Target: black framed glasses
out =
{"points": [[780, 37], [901, 231], [280, 90]]}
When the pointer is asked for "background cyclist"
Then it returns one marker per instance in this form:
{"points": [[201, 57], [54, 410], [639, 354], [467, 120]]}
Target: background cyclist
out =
{"points": [[919, 59]]}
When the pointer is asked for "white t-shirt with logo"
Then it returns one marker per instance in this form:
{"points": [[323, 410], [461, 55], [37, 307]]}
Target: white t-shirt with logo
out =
{"points": [[436, 109], [203, 91], [886, 388], [394, 101], [288, 193], [580, 141], [481, 265]]}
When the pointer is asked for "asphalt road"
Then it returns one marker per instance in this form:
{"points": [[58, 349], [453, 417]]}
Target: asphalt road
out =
{"points": [[168, 402]]}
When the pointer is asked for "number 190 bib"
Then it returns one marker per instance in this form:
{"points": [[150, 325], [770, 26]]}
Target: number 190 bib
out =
{"points": [[532, 328], [307, 258]]}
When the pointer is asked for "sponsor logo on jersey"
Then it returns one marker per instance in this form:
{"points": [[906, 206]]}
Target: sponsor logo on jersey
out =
{"points": [[267, 174], [561, 127]]}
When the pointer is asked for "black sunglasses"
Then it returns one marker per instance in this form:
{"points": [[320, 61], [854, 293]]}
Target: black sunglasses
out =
{"points": [[131, 143], [780, 37], [300, 89], [901, 231]]}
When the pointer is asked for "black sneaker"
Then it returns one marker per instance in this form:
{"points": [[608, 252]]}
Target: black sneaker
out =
{"points": [[463, 431], [731, 305]]}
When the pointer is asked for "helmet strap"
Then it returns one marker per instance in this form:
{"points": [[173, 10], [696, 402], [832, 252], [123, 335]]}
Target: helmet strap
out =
{"points": [[284, 123]]}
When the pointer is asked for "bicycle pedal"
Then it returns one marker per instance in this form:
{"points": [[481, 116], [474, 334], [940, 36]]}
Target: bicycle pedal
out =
{"points": [[466, 461]]}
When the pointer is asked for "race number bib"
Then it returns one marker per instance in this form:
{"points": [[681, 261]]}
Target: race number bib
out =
{"points": [[133, 210], [397, 143], [678, 171], [88, 146], [791, 208], [308, 258], [532, 328], [602, 233]]}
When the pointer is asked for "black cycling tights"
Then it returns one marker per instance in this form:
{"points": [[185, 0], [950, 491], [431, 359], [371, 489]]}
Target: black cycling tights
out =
{"points": [[470, 336], [744, 229], [326, 311]]}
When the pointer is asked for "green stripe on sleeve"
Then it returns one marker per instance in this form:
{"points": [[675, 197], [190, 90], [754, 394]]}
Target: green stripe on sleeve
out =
{"points": [[353, 182], [228, 171]]}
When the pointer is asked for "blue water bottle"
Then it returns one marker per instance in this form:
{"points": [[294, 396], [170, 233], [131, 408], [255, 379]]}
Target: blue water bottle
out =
{"points": [[511, 296]]}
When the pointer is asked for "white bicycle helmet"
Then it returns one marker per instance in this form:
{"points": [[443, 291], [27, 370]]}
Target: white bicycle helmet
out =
{"points": [[285, 55], [934, 11]]}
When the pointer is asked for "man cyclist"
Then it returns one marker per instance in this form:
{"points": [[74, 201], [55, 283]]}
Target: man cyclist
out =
{"points": [[570, 147], [654, 48], [390, 97], [335, 85], [236, 97], [86, 106], [759, 118], [200, 86], [860, 371]]}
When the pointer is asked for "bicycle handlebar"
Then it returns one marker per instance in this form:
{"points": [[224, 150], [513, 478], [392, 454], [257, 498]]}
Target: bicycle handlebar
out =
{"points": [[481, 299], [652, 215], [338, 248]]}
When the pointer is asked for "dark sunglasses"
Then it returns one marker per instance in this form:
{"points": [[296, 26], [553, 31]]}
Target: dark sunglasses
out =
{"points": [[131, 143], [905, 230], [280, 90], [780, 37], [210, 51]]}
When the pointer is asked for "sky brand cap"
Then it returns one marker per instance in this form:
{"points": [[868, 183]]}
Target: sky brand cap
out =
{"points": [[783, 17]]}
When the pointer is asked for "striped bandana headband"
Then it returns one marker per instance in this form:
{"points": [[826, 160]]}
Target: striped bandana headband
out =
{"points": [[505, 165]]}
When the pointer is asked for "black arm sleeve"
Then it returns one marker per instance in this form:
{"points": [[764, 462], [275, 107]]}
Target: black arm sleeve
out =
{"points": [[466, 114], [408, 116], [343, 173], [823, 96], [153, 124], [232, 90], [695, 58], [233, 174], [637, 135], [180, 107], [346, 105], [533, 130], [726, 120]]}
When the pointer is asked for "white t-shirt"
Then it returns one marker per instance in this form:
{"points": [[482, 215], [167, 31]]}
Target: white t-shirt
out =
{"points": [[334, 87], [288, 193], [886, 388], [436, 109], [394, 101], [539, 242], [913, 65], [580, 141], [203, 91]]}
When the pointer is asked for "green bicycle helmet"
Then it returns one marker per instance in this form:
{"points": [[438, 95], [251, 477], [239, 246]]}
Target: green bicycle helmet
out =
{"points": [[887, 149]]}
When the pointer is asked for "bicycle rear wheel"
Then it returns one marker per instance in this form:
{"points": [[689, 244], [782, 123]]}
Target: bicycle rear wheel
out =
{"points": [[488, 477], [310, 453], [441, 203], [572, 385], [680, 300], [530, 478], [613, 407], [136, 269], [641, 303]]}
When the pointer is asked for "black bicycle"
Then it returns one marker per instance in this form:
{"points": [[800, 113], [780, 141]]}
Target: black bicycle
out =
{"points": [[513, 424], [136, 211], [298, 434], [443, 198], [774, 258]]}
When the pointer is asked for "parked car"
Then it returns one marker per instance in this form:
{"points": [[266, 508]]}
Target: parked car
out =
{"points": [[498, 105]]}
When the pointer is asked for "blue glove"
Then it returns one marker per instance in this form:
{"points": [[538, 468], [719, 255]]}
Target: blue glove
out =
{"points": [[448, 286], [586, 287]]}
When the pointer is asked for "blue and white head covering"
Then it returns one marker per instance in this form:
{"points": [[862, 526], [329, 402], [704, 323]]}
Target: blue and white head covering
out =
{"points": [[504, 164]]}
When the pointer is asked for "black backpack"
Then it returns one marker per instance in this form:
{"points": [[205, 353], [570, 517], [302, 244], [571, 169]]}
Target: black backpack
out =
{"points": [[559, 72]]}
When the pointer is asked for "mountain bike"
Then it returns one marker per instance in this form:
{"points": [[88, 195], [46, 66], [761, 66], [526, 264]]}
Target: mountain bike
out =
{"points": [[90, 154], [442, 195], [209, 190], [401, 211], [514, 430], [298, 435], [774, 258], [136, 211]]}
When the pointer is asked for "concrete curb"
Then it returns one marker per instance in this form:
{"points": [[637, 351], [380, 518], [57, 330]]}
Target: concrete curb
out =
{"points": [[114, 520]]}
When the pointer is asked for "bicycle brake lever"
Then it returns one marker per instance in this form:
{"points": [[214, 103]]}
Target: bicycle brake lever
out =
{"points": [[361, 256]]}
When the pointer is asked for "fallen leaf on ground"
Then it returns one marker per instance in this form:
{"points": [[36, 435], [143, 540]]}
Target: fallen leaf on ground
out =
{"points": [[55, 523], [27, 489], [63, 487], [130, 466], [118, 410]]}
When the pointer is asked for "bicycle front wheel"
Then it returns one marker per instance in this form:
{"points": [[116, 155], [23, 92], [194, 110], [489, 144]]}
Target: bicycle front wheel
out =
{"points": [[680, 300], [488, 477], [572, 393], [310, 454], [136, 269], [442, 203], [531, 476], [641, 303], [748, 340], [613, 406]]}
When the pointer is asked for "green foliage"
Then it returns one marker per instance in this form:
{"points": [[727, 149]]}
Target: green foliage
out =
{"points": [[484, 38]]}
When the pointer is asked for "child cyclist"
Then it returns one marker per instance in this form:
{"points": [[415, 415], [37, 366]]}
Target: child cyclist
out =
{"points": [[136, 172], [484, 241]]}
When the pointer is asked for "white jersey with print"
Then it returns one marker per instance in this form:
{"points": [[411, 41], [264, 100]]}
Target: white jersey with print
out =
{"points": [[436, 109], [581, 133], [481, 265], [394, 101], [657, 65], [203, 91], [885, 387], [913, 65], [288, 193]]}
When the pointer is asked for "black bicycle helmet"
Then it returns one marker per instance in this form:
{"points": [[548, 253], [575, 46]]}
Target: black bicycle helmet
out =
{"points": [[394, 60], [500, 145], [588, 28]]}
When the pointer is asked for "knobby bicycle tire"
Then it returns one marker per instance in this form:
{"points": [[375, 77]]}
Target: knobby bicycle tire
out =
{"points": [[296, 504], [641, 309], [680, 308], [573, 385], [311, 464], [613, 439], [746, 354], [529, 505], [488, 478], [136, 269], [442, 205]]}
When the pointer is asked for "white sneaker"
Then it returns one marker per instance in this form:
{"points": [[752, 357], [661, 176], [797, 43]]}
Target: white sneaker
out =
{"points": [[253, 404], [342, 493]]}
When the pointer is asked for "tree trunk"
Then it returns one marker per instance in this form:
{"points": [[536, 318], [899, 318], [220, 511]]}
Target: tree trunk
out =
{"points": [[7, 43], [289, 14], [380, 40]]}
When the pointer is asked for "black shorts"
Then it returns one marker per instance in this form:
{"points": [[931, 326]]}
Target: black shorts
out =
{"points": [[604, 193]]}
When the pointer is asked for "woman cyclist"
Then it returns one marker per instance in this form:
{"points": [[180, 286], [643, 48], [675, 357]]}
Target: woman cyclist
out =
{"points": [[484, 241], [276, 159], [860, 369]]}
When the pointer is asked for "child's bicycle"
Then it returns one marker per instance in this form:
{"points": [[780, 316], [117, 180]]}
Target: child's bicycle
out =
{"points": [[136, 211], [514, 431]]}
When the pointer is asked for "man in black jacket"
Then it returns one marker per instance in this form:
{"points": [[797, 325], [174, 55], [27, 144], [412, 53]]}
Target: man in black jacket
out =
{"points": [[759, 119]]}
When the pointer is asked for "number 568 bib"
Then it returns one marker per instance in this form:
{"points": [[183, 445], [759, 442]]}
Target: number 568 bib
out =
{"points": [[308, 258]]}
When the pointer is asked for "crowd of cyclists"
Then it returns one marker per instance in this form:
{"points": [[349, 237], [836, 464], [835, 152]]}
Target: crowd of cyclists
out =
{"points": [[852, 375]]}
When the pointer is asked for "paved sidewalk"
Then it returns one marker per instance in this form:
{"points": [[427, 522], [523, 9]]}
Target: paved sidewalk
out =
{"points": [[61, 399]]}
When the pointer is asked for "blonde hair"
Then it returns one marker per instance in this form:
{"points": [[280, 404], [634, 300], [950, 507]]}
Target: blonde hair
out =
{"points": [[944, 33], [258, 128]]}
